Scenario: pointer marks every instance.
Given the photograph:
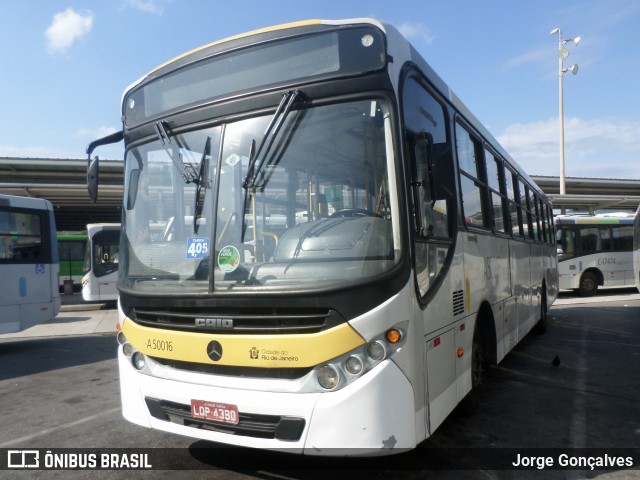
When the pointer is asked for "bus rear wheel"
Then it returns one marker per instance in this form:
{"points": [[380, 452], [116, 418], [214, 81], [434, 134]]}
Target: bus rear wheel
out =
{"points": [[588, 284], [541, 327]]}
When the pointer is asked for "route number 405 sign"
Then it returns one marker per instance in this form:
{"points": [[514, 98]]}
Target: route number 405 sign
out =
{"points": [[197, 247]]}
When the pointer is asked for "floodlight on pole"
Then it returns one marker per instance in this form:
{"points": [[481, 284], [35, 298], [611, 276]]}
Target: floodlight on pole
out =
{"points": [[562, 54]]}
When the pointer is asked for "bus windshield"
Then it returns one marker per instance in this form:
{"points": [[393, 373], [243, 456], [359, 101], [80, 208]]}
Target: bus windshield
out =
{"points": [[315, 210]]}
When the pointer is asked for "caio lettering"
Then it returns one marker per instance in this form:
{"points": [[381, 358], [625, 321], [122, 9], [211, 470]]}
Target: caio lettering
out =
{"points": [[214, 322]]}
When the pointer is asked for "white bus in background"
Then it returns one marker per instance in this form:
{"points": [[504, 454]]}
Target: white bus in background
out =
{"points": [[29, 265], [404, 249], [101, 262], [595, 251], [636, 248]]}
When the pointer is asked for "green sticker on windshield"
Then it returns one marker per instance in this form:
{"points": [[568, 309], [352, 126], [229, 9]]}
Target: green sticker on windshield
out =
{"points": [[228, 258]]}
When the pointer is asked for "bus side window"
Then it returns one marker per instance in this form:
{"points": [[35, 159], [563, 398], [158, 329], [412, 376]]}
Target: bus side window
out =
{"points": [[429, 190], [497, 196], [590, 241], [622, 238], [605, 238], [515, 211], [470, 162]]}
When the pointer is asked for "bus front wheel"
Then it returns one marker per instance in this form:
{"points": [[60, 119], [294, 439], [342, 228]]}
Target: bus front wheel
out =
{"points": [[469, 404], [588, 284]]}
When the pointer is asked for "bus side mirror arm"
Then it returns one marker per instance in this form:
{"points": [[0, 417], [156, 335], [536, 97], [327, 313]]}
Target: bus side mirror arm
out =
{"points": [[93, 165]]}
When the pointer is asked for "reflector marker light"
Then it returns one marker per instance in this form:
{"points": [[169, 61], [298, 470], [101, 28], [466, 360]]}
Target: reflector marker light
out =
{"points": [[436, 342]]}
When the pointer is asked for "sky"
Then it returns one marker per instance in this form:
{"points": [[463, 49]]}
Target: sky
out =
{"points": [[66, 64]]}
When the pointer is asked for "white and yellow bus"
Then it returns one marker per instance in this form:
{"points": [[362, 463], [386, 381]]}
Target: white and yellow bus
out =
{"points": [[357, 247], [595, 251], [29, 263]]}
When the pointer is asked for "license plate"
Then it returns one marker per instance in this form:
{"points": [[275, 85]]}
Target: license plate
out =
{"points": [[218, 412]]}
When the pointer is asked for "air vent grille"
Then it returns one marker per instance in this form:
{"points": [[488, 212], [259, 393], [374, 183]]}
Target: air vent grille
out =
{"points": [[458, 302]]}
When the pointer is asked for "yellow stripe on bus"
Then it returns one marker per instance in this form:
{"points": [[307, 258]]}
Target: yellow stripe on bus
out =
{"points": [[263, 351]]}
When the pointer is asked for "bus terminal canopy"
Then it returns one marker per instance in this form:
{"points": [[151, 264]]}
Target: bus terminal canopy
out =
{"points": [[63, 182], [591, 194]]}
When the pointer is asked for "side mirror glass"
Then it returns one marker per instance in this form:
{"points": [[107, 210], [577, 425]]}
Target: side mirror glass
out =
{"points": [[92, 179]]}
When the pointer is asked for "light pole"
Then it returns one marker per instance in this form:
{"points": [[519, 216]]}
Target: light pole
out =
{"points": [[562, 54]]}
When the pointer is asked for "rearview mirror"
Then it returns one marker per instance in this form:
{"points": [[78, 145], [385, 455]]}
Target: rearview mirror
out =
{"points": [[92, 168], [92, 179]]}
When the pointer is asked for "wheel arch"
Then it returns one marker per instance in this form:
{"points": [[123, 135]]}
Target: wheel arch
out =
{"points": [[485, 322], [597, 272]]}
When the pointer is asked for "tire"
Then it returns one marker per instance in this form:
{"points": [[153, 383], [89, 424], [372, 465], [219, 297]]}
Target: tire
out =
{"points": [[588, 285], [541, 327], [469, 404]]}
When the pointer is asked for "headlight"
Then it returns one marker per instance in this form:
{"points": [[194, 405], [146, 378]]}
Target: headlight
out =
{"points": [[343, 370], [128, 349], [138, 360], [328, 377], [376, 351], [353, 365]]}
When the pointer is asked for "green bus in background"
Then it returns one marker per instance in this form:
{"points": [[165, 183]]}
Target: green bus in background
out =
{"points": [[71, 248]]}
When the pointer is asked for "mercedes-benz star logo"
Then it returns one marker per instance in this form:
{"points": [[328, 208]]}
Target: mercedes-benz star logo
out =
{"points": [[214, 350]]}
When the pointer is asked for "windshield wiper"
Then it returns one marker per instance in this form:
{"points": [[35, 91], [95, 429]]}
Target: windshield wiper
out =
{"points": [[186, 170], [253, 171], [282, 112], [201, 180]]}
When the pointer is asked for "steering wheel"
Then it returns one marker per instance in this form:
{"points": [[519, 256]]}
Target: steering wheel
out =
{"points": [[353, 212]]}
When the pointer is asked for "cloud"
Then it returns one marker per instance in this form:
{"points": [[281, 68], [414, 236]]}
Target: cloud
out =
{"points": [[416, 31], [606, 148], [147, 6], [66, 28]]}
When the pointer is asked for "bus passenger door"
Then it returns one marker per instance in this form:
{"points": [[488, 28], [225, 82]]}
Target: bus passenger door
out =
{"points": [[431, 195]]}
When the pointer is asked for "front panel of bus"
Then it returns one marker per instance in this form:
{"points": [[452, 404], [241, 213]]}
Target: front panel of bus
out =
{"points": [[257, 233]]}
